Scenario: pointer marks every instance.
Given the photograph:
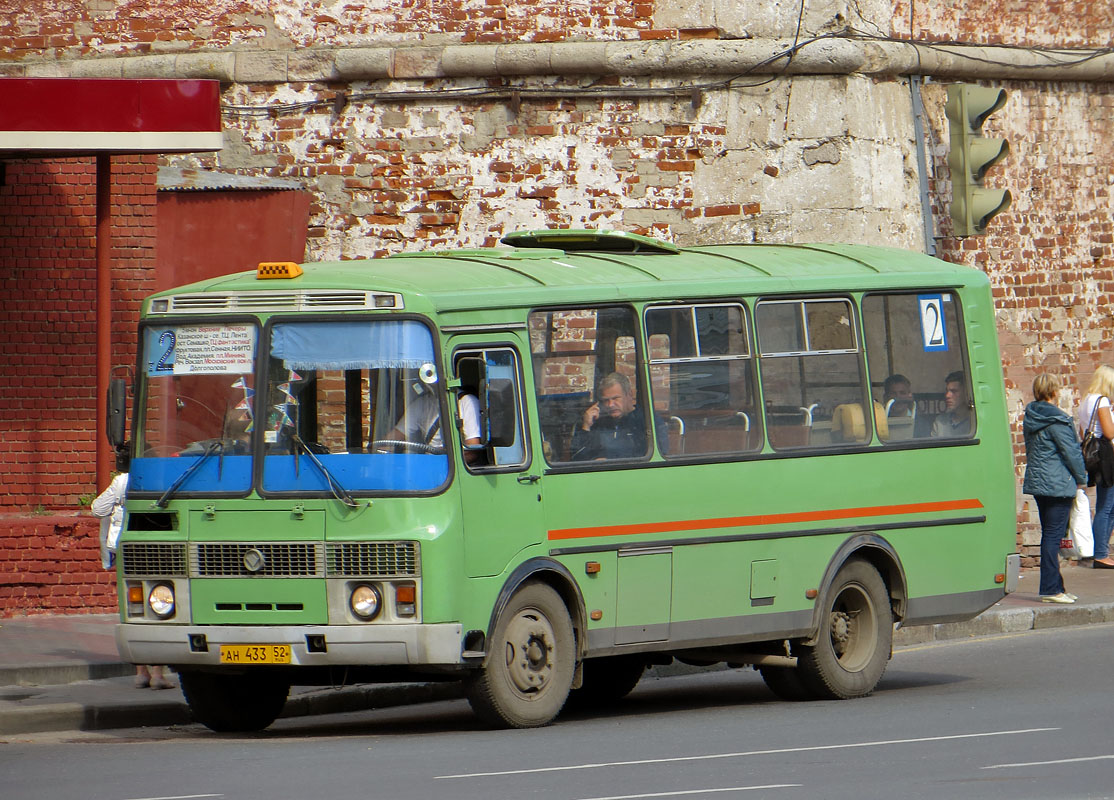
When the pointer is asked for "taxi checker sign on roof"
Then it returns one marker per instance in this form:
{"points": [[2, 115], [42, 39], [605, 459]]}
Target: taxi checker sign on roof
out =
{"points": [[199, 349]]}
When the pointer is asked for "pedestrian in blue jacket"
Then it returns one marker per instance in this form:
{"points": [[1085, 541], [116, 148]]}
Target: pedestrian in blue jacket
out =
{"points": [[1053, 472]]}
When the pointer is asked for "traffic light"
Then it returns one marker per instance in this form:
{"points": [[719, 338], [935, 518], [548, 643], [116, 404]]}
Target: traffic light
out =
{"points": [[971, 155]]}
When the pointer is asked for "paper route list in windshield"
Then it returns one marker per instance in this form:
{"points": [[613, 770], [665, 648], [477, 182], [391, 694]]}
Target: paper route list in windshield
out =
{"points": [[200, 349]]}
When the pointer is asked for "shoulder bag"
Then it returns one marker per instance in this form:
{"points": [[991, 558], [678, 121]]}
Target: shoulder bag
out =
{"points": [[1092, 459]]}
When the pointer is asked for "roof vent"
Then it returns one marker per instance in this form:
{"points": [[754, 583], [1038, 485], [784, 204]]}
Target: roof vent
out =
{"points": [[586, 240]]}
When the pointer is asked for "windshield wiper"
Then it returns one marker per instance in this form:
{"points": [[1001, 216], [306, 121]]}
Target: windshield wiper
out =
{"points": [[217, 445], [339, 492]]}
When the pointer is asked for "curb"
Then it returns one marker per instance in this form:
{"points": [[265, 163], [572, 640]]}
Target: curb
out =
{"points": [[142, 713], [1008, 620], [64, 672]]}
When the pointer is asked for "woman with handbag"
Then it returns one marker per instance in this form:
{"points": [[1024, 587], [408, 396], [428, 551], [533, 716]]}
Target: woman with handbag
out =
{"points": [[1096, 420], [1053, 471]]}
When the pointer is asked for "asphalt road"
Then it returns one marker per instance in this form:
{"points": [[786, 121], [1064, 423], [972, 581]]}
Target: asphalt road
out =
{"points": [[1021, 716]]}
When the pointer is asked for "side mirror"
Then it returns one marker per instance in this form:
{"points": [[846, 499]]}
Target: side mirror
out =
{"points": [[498, 405], [116, 415]]}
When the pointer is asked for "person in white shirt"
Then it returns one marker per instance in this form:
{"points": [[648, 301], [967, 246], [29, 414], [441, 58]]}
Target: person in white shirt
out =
{"points": [[1094, 414], [109, 506], [421, 423]]}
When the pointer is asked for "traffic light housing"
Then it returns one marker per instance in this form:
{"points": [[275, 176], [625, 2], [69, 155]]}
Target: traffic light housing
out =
{"points": [[971, 155]]}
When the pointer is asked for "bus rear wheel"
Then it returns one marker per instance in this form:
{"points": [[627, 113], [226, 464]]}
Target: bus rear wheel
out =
{"points": [[528, 672], [855, 638], [233, 703], [607, 680]]}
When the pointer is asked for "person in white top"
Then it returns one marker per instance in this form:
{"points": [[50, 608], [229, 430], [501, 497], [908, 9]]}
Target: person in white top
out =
{"points": [[109, 506], [421, 423], [1095, 414]]}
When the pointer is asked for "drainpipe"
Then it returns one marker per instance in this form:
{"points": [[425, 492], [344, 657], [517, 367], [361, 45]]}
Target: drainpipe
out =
{"points": [[922, 163], [104, 456]]}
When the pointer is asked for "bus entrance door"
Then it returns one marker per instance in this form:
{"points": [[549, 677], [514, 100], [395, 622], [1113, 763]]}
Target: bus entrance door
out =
{"points": [[500, 500]]}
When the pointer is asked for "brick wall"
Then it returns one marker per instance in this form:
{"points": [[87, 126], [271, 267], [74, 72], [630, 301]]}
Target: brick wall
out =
{"points": [[52, 565], [48, 325]]}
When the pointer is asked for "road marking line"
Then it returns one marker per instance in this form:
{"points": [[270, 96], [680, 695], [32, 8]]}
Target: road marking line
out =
{"points": [[178, 797], [1046, 763], [697, 791], [814, 748]]}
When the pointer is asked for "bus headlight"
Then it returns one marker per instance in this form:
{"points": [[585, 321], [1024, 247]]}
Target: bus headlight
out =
{"points": [[365, 601], [161, 600]]}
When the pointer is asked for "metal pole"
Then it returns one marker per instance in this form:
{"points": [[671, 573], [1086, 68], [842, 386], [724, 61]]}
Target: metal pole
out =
{"points": [[105, 461], [922, 164]]}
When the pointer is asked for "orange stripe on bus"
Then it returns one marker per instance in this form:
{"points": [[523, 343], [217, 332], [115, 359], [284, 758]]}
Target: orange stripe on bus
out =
{"points": [[763, 519]]}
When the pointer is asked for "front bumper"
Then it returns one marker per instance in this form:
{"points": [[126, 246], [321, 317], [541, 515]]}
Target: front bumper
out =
{"points": [[344, 645]]}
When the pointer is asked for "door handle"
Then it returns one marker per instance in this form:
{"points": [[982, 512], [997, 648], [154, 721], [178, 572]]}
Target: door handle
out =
{"points": [[529, 478]]}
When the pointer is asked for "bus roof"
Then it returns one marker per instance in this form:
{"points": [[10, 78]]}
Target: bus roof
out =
{"points": [[568, 266]]}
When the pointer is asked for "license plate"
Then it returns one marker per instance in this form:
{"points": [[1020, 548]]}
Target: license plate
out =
{"points": [[255, 654]]}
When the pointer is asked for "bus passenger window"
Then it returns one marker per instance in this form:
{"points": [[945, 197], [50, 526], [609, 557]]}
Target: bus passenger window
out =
{"points": [[812, 380], [918, 373], [585, 376], [702, 378]]}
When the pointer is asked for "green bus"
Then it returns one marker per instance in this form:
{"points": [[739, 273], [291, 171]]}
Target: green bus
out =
{"points": [[541, 467]]}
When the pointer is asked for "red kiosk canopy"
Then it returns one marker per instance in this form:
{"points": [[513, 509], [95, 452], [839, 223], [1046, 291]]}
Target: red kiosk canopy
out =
{"points": [[73, 116]]}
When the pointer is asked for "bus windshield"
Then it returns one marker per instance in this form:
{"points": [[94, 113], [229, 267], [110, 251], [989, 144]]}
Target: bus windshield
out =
{"points": [[197, 388], [345, 407], [352, 406]]}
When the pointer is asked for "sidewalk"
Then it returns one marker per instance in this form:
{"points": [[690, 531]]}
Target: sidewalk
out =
{"points": [[63, 673]]}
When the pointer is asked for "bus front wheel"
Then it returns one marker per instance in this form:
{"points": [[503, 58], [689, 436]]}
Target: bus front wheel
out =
{"points": [[855, 637], [528, 672], [233, 703]]}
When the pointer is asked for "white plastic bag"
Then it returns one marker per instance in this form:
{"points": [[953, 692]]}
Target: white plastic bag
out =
{"points": [[1079, 529]]}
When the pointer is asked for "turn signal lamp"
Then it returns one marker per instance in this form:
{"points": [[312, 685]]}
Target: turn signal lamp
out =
{"points": [[135, 594], [268, 270], [405, 605]]}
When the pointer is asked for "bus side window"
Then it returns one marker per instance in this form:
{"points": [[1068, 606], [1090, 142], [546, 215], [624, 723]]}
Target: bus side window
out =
{"points": [[586, 379], [918, 373], [812, 381], [702, 378]]}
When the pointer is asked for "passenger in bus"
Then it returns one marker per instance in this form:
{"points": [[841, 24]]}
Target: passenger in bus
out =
{"points": [[956, 419], [897, 396], [613, 427]]}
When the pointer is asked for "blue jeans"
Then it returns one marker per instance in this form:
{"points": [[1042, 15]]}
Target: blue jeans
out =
{"points": [[1104, 519], [1054, 513]]}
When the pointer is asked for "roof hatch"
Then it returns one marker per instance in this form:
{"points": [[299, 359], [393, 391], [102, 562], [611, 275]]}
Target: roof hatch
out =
{"points": [[572, 240]]}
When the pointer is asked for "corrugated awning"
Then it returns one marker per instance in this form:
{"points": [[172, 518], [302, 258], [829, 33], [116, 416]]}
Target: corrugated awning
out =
{"points": [[181, 179]]}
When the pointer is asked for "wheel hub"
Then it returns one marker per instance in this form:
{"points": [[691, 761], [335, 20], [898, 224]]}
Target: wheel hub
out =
{"points": [[530, 647], [841, 630]]}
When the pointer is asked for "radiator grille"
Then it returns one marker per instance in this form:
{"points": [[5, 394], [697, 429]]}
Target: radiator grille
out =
{"points": [[143, 558], [232, 560], [301, 300], [373, 559]]}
